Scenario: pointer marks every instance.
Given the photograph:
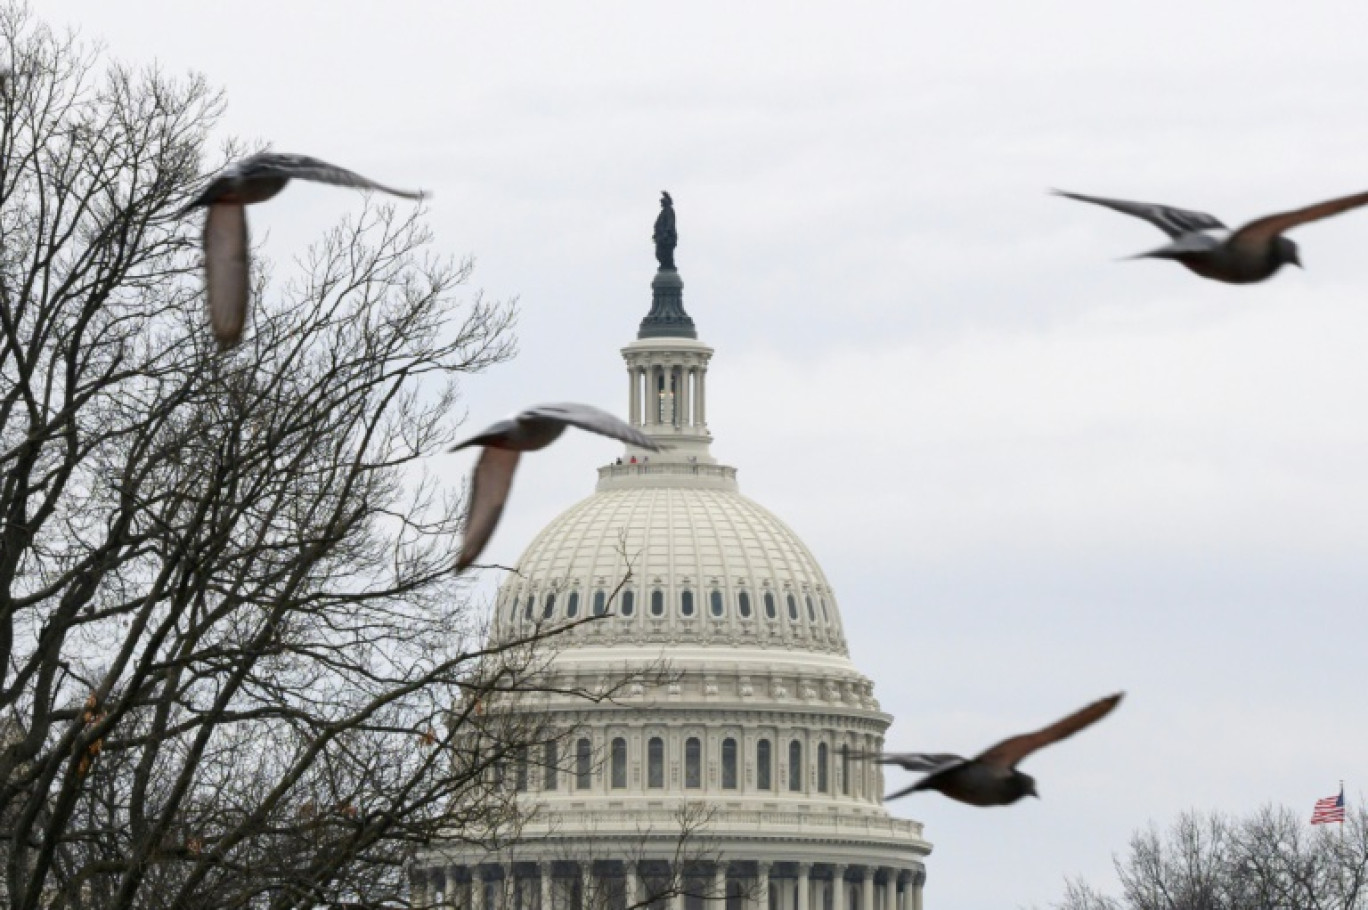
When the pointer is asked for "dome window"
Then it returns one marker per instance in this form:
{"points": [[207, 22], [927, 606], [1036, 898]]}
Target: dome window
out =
{"points": [[655, 763], [812, 612], [822, 774], [795, 767], [520, 769], [531, 605], [628, 602], [770, 612], [793, 608], [550, 609], [825, 616], [743, 605], [584, 770], [657, 602], [715, 602], [729, 764], [551, 764], [845, 770], [762, 764], [600, 604], [617, 775], [686, 604], [693, 763], [572, 605]]}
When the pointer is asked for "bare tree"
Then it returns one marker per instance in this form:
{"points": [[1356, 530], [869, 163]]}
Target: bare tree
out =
{"points": [[237, 669], [1270, 860]]}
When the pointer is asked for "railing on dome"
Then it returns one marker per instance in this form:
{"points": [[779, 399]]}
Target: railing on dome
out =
{"points": [[667, 468]]}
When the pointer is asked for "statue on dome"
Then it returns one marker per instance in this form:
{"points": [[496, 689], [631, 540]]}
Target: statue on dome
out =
{"points": [[664, 234]]}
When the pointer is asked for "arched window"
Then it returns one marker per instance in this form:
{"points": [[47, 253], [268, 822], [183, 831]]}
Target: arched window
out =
{"points": [[822, 779], [572, 605], [520, 769], [628, 602], [693, 763], [795, 768], [826, 617], [715, 602], [550, 608], [584, 772], [762, 764], [550, 761], [845, 770], [743, 605], [618, 764], [657, 602], [655, 763], [686, 602], [812, 613], [793, 608], [531, 605], [729, 764], [769, 606], [600, 602]]}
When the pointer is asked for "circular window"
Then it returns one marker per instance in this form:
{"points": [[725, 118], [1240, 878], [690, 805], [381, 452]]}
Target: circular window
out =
{"points": [[769, 606], [793, 608], [572, 605], [686, 602], [628, 602], [715, 603], [743, 605], [657, 603]]}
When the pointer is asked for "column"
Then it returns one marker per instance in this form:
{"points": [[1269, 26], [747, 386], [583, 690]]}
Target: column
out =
{"points": [[762, 886], [719, 888], [838, 890], [633, 396], [631, 882], [867, 889], [918, 880], [891, 889], [685, 411], [544, 869], [677, 875], [804, 885], [586, 885], [477, 891], [702, 398]]}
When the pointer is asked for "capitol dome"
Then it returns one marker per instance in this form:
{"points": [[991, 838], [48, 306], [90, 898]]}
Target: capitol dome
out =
{"points": [[753, 709]]}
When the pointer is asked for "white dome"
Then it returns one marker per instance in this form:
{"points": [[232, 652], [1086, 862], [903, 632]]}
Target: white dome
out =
{"points": [[679, 557]]}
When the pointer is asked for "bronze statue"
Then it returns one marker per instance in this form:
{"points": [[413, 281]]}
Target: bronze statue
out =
{"points": [[664, 233]]}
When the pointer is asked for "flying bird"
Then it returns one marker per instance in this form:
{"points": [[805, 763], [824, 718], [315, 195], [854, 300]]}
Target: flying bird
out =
{"points": [[504, 442], [991, 778], [1207, 247], [253, 179]]}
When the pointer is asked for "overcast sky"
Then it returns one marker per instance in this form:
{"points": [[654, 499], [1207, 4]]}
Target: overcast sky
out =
{"points": [[1033, 474]]}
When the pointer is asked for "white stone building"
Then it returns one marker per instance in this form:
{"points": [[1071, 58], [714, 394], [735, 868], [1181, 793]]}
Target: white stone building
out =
{"points": [[760, 716]]}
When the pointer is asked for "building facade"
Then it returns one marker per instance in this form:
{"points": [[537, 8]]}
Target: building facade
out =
{"points": [[730, 777]]}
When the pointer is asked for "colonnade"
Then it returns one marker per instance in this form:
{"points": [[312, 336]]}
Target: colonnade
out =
{"points": [[613, 885], [684, 384]]}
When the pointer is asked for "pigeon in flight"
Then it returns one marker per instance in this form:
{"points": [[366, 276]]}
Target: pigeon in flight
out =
{"points": [[1207, 247], [504, 442], [253, 179], [991, 778]]}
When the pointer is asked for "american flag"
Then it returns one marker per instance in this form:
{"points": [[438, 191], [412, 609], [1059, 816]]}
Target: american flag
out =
{"points": [[1330, 809]]}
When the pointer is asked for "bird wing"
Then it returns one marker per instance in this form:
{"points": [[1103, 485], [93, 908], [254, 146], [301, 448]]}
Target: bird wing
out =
{"points": [[914, 761], [1195, 242], [1172, 221], [488, 493], [225, 271], [1261, 230], [588, 417], [302, 167], [1010, 751]]}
